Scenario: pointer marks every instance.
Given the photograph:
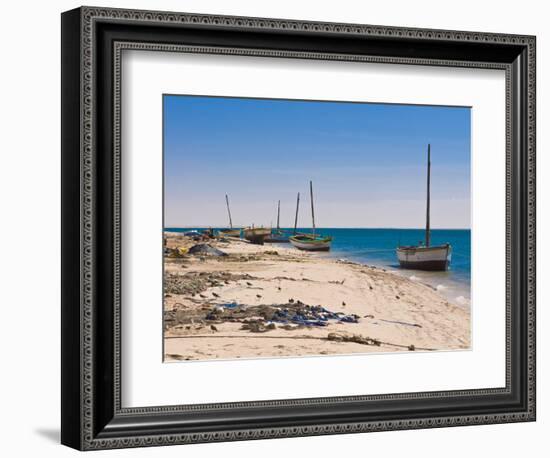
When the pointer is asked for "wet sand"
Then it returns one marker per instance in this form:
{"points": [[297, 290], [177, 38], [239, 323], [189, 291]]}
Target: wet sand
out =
{"points": [[222, 307]]}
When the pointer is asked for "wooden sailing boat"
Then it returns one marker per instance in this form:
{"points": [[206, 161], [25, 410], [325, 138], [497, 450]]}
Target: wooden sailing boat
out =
{"points": [[309, 242], [229, 232], [256, 235], [277, 235], [427, 256]]}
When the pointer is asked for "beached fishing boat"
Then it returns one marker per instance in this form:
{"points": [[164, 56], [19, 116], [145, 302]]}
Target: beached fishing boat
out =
{"points": [[193, 233], [231, 232], [309, 242], [256, 235], [425, 256], [208, 233], [277, 235]]}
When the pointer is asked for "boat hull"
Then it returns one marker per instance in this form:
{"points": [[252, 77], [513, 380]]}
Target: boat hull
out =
{"points": [[230, 232], [256, 235], [425, 258], [424, 265], [277, 237], [311, 245]]}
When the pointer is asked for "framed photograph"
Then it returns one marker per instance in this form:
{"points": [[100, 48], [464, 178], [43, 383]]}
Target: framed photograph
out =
{"points": [[278, 228]]}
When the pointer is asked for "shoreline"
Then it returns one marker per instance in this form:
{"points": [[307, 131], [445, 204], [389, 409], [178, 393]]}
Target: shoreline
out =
{"points": [[454, 284], [276, 301], [452, 289]]}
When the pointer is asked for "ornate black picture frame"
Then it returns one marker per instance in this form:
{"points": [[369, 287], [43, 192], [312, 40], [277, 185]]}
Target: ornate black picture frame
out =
{"points": [[92, 42]]}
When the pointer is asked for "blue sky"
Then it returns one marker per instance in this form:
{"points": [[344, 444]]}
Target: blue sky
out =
{"points": [[367, 162]]}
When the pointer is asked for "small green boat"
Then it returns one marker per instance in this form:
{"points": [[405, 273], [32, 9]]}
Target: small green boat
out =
{"points": [[309, 242]]}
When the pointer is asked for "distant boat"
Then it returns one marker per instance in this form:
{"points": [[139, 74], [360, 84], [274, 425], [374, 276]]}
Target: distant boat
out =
{"points": [[208, 232], [192, 233], [425, 256], [256, 235], [231, 232], [277, 235], [195, 235], [309, 242]]}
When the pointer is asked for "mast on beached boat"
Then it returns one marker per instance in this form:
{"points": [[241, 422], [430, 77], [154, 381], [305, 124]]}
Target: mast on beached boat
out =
{"points": [[296, 218], [277, 235], [310, 242], [425, 257], [228, 211], [312, 210], [278, 213], [428, 198], [229, 232]]}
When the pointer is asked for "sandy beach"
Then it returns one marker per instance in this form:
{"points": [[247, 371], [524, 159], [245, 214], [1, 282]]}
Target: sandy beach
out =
{"points": [[249, 303]]}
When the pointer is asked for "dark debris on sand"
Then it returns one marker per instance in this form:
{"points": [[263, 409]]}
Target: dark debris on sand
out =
{"points": [[206, 249], [261, 318], [192, 283]]}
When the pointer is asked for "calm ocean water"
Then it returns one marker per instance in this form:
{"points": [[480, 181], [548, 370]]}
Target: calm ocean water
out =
{"points": [[377, 247]]}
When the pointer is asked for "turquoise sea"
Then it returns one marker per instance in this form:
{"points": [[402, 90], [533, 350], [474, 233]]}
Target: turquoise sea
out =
{"points": [[377, 247]]}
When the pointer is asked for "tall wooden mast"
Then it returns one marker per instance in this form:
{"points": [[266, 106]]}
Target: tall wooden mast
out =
{"points": [[312, 211], [296, 218], [228, 212], [278, 213], [428, 200]]}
